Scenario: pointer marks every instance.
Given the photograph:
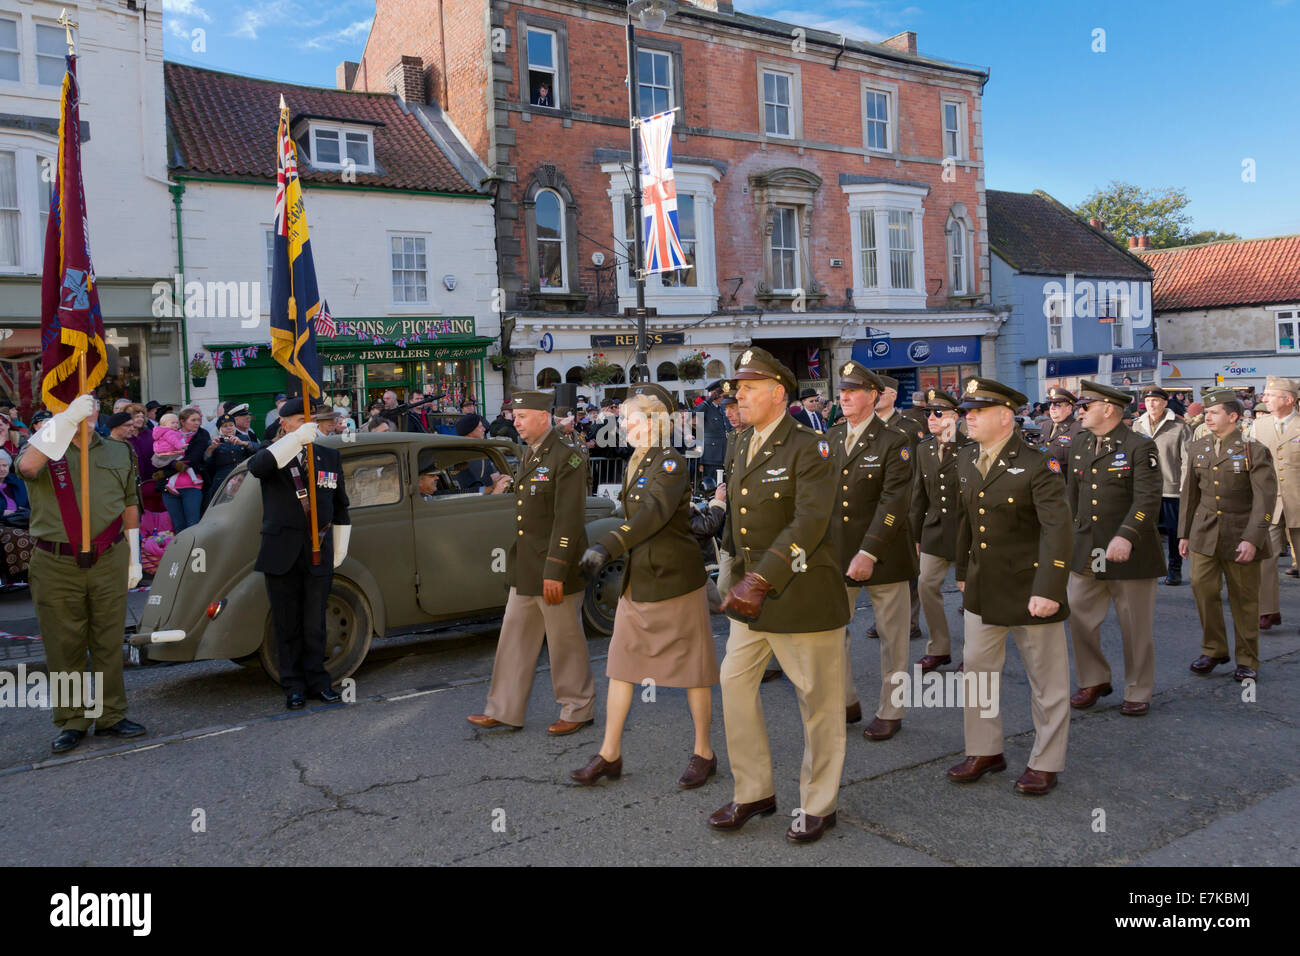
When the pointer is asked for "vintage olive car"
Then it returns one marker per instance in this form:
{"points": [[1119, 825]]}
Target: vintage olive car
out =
{"points": [[411, 561]]}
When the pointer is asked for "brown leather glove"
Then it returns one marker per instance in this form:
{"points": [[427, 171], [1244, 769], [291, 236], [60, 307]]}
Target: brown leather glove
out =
{"points": [[746, 598]]}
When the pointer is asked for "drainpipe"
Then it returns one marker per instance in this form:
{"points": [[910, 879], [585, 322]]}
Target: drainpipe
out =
{"points": [[178, 190]]}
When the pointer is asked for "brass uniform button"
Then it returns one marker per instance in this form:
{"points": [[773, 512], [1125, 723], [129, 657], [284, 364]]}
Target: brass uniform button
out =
{"points": [[521, 531]]}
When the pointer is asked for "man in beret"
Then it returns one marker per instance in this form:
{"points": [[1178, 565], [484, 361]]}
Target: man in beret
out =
{"points": [[790, 602], [887, 411], [1227, 507], [296, 585], [1058, 439], [1013, 549], [1171, 436], [1114, 488], [933, 517], [873, 468], [1279, 432], [545, 579]]}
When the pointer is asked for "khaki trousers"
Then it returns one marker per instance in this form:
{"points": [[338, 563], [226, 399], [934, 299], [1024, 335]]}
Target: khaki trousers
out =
{"points": [[934, 571], [1208, 572], [1268, 589], [527, 621], [813, 661], [1135, 606], [1047, 662], [891, 604]]}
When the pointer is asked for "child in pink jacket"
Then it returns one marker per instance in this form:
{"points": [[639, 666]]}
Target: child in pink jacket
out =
{"points": [[168, 446]]}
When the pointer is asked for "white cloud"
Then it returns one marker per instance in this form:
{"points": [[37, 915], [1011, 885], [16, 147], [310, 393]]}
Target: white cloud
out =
{"points": [[348, 34], [186, 8], [250, 21], [846, 26]]}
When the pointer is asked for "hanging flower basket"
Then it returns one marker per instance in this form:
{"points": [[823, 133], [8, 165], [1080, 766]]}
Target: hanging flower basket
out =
{"points": [[199, 369], [598, 370], [690, 367]]}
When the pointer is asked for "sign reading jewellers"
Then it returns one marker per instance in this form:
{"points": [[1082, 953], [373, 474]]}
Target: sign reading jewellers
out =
{"points": [[901, 352]]}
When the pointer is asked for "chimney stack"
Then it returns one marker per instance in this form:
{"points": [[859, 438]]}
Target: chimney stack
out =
{"points": [[904, 42], [344, 74], [1095, 223], [1132, 242], [405, 78], [1144, 242]]}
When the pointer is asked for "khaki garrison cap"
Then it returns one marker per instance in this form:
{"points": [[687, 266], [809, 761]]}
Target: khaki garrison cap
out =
{"points": [[1276, 383]]}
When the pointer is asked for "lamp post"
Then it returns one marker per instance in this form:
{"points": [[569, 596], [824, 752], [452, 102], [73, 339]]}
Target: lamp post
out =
{"points": [[653, 14]]}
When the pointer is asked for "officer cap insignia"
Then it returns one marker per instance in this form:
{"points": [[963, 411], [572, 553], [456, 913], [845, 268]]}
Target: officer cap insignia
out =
{"points": [[972, 387], [670, 466], [824, 449], [1055, 465], [744, 359], [930, 396], [846, 370]]}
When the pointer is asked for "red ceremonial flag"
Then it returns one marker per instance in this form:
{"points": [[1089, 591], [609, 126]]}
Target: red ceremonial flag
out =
{"points": [[71, 323]]}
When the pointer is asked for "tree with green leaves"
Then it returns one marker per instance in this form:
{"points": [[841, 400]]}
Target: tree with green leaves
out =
{"points": [[1129, 210], [1209, 235]]}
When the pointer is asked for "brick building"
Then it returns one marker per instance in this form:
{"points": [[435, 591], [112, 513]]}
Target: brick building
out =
{"points": [[831, 192]]}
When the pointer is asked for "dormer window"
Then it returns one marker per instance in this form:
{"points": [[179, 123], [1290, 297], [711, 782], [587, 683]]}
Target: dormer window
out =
{"points": [[334, 146]]}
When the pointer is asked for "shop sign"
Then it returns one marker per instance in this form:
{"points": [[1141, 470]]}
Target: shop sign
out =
{"points": [[390, 329], [1060, 368], [902, 353], [443, 353], [627, 340], [1134, 361]]}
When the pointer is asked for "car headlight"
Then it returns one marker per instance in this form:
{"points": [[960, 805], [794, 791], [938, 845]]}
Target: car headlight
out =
{"points": [[215, 608]]}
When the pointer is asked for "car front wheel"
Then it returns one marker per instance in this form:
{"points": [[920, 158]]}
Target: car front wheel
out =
{"points": [[348, 629], [601, 599]]}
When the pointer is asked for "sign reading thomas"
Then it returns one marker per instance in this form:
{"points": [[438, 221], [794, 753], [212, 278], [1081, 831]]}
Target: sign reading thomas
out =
{"points": [[882, 352]]}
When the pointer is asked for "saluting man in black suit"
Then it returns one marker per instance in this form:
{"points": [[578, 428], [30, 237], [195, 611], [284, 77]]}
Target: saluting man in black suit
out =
{"points": [[298, 589]]}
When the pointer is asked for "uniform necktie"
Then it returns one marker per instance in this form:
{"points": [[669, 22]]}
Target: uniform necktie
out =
{"points": [[635, 460], [985, 463], [754, 442], [1218, 446]]}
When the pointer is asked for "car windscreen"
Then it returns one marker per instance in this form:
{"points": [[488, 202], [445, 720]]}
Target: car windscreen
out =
{"points": [[230, 487]]}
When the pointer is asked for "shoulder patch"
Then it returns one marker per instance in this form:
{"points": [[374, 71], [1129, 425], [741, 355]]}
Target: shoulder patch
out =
{"points": [[903, 454], [575, 460], [1153, 460], [670, 465], [1055, 465], [824, 449]]}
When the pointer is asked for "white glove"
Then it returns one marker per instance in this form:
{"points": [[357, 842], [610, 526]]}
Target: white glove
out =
{"points": [[341, 534], [134, 570], [56, 435], [286, 449]]}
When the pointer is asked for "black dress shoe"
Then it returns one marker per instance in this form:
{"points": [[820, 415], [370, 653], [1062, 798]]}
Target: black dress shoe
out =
{"points": [[295, 702], [1245, 673], [1174, 578], [915, 635], [67, 740], [329, 695], [123, 728], [1205, 663]]}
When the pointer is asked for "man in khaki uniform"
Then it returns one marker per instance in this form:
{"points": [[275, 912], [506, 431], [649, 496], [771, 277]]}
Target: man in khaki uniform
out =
{"points": [[1114, 489], [1013, 545], [1224, 518], [80, 600], [790, 602], [874, 471], [1279, 432], [545, 579]]}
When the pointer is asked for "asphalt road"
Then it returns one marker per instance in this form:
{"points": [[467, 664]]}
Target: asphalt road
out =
{"points": [[400, 777]]}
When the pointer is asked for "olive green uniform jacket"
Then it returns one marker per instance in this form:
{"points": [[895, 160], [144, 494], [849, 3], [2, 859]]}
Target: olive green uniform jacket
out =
{"points": [[1013, 534], [933, 514], [872, 497], [779, 510], [665, 560], [1115, 489], [916, 433], [1058, 441], [550, 490], [728, 467], [1227, 498]]}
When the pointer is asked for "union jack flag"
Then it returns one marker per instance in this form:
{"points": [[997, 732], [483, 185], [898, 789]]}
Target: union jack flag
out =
{"points": [[814, 363], [217, 360], [325, 322], [663, 249], [237, 358]]}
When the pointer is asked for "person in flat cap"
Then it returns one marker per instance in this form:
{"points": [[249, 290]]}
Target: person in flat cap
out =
{"points": [[714, 429], [544, 575], [1065, 427], [1013, 553], [1279, 432], [933, 517], [1114, 487], [1226, 511], [873, 468], [809, 411], [1171, 435], [298, 584], [662, 630], [779, 510]]}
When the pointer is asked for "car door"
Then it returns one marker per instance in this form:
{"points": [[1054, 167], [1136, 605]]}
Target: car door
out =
{"points": [[382, 541]]}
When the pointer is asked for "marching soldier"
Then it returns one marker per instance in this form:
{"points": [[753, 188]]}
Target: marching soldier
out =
{"points": [[80, 607], [1279, 432], [933, 518], [545, 580], [1114, 488], [727, 547], [888, 412], [297, 588], [873, 468], [1224, 517], [779, 504], [1171, 437], [1013, 545], [1065, 427]]}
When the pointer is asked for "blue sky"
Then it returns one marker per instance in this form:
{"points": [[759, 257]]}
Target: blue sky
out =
{"points": [[1182, 95]]}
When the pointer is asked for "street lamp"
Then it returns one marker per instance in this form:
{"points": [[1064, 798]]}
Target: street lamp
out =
{"points": [[652, 14]]}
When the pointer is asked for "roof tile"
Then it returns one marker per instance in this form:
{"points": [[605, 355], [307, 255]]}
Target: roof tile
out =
{"points": [[1036, 234], [1216, 274]]}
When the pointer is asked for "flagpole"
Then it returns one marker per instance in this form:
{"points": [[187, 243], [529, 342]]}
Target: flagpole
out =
{"points": [[85, 469]]}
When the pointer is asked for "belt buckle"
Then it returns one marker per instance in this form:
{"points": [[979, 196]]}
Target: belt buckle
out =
{"points": [[301, 493]]}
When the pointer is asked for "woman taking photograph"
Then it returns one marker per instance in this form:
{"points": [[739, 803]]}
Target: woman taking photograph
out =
{"points": [[661, 626], [224, 452]]}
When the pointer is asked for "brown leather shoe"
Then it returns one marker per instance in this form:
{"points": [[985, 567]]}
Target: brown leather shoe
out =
{"points": [[1293, 572], [1204, 664], [972, 768], [563, 728], [810, 829], [1035, 783], [1134, 708], [483, 720], [698, 772], [1243, 673], [1085, 697], [853, 712], [881, 729], [1269, 620], [734, 815], [930, 661], [772, 673], [596, 768]]}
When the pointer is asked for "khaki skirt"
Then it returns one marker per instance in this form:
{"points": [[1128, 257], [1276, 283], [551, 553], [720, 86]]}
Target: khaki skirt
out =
{"points": [[669, 642]]}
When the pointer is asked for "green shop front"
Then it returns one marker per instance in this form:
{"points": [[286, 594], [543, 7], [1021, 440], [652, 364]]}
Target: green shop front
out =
{"points": [[402, 355]]}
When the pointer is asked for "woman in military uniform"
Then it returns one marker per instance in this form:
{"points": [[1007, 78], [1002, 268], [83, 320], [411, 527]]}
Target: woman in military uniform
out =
{"points": [[662, 631]]}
